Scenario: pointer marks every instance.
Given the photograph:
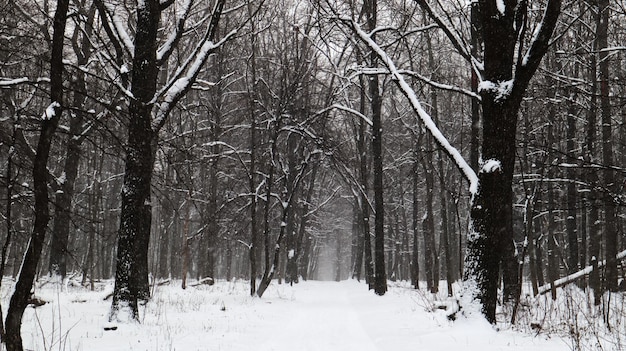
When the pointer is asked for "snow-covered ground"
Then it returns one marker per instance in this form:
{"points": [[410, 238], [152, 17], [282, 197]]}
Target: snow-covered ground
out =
{"points": [[312, 315]]}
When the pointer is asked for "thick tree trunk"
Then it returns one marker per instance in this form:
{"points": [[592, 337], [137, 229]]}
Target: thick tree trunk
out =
{"points": [[490, 245], [380, 275], [134, 233], [21, 294]]}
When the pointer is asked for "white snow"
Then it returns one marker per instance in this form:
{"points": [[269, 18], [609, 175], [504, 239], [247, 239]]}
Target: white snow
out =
{"points": [[312, 315], [491, 166], [501, 6], [181, 16], [62, 178], [291, 253], [7, 82], [120, 28], [50, 113], [501, 90]]}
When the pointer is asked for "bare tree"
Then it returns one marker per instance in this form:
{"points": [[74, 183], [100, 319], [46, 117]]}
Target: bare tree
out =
{"points": [[49, 123], [149, 109]]}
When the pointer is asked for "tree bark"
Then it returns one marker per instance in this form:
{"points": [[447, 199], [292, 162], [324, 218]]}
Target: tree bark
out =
{"points": [[380, 275], [475, 31], [21, 294], [572, 213], [134, 232], [364, 182], [610, 213], [431, 254], [592, 177], [415, 271], [272, 267], [490, 243], [63, 199]]}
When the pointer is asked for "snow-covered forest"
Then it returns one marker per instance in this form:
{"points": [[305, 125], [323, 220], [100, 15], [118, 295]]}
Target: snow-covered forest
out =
{"points": [[466, 158]]}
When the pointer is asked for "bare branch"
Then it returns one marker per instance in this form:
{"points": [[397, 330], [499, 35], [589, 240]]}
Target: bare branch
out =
{"points": [[450, 150]]}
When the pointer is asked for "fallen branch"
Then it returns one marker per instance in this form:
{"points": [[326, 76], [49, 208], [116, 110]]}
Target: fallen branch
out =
{"points": [[575, 276]]}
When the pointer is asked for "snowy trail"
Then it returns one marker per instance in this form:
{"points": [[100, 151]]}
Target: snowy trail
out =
{"points": [[310, 316], [325, 320]]}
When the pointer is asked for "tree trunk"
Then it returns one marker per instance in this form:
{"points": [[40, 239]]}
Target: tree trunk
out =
{"points": [[553, 262], [134, 232], [254, 239], [302, 236], [592, 177], [291, 244], [571, 221], [415, 271], [9, 212], [364, 182], [431, 255], [272, 266], [610, 215], [21, 294], [475, 32], [380, 275], [63, 199], [359, 244], [490, 243], [185, 241], [63, 203]]}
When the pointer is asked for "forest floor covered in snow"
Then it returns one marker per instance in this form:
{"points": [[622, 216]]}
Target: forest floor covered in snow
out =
{"points": [[312, 315]]}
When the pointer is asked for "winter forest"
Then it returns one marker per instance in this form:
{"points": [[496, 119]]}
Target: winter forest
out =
{"points": [[467, 154]]}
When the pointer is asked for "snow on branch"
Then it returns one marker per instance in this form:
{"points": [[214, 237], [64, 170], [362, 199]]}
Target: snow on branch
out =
{"points": [[347, 109], [440, 85], [168, 47], [527, 66], [51, 111], [9, 82], [424, 79], [575, 276], [179, 87], [450, 150], [613, 48], [186, 75], [6, 82], [120, 30]]}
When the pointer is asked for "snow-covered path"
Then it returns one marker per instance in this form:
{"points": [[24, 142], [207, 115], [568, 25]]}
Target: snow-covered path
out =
{"points": [[310, 316], [325, 320]]}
